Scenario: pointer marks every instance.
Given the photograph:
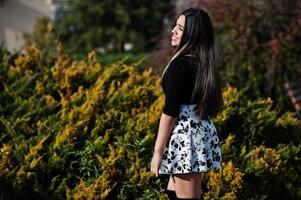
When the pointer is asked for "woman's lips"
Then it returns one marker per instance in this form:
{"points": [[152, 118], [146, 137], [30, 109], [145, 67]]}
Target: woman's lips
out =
{"points": [[173, 37]]}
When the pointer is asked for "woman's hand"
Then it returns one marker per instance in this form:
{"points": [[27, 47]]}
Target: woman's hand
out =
{"points": [[156, 161]]}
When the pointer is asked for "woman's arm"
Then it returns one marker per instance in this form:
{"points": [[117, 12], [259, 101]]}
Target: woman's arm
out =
{"points": [[175, 81], [165, 127]]}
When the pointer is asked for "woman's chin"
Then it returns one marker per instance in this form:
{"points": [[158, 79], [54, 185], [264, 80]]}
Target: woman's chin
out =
{"points": [[174, 44]]}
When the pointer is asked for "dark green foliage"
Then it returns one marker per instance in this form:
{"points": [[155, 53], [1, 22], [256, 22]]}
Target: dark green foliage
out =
{"points": [[111, 24]]}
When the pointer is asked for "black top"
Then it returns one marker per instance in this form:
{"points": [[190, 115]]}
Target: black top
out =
{"points": [[178, 84]]}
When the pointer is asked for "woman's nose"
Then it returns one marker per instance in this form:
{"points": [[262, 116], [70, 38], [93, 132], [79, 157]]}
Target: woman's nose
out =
{"points": [[173, 30]]}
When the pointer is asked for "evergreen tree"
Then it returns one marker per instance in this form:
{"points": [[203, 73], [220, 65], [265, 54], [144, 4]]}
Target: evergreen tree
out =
{"points": [[109, 24]]}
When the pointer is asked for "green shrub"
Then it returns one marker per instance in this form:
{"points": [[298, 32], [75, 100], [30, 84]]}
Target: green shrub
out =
{"points": [[77, 130]]}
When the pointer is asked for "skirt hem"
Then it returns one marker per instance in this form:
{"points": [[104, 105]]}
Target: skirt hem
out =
{"points": [[193, 171]]}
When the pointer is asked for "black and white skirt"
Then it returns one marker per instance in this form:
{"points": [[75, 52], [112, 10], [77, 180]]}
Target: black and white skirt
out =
{"points": [[193, 145]]}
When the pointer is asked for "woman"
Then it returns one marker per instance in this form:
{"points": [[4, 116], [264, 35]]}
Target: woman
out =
{"points": [[187, 143]]}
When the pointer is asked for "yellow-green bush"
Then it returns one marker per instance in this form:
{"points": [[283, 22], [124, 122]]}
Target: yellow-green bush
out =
{"points": [[225, 183], [76, 130]]}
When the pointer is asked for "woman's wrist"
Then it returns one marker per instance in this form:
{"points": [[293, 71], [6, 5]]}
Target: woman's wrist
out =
{"points": [[158, 152]]}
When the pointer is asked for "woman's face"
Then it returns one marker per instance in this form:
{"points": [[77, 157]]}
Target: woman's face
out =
{"points": [[177, 31]]}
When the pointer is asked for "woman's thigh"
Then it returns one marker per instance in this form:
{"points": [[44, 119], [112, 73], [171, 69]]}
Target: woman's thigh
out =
{"points": [[188, 185], [170, 185]]}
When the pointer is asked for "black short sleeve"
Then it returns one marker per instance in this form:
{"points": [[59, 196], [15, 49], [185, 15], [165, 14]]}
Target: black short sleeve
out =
{"points": [[174, 83]]}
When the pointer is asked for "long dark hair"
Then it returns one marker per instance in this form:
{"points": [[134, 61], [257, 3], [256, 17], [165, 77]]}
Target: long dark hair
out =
{"points": [[198, 40]]}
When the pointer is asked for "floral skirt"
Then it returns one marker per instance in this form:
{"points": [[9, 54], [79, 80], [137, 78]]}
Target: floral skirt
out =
{"points": [[193, 145]]}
